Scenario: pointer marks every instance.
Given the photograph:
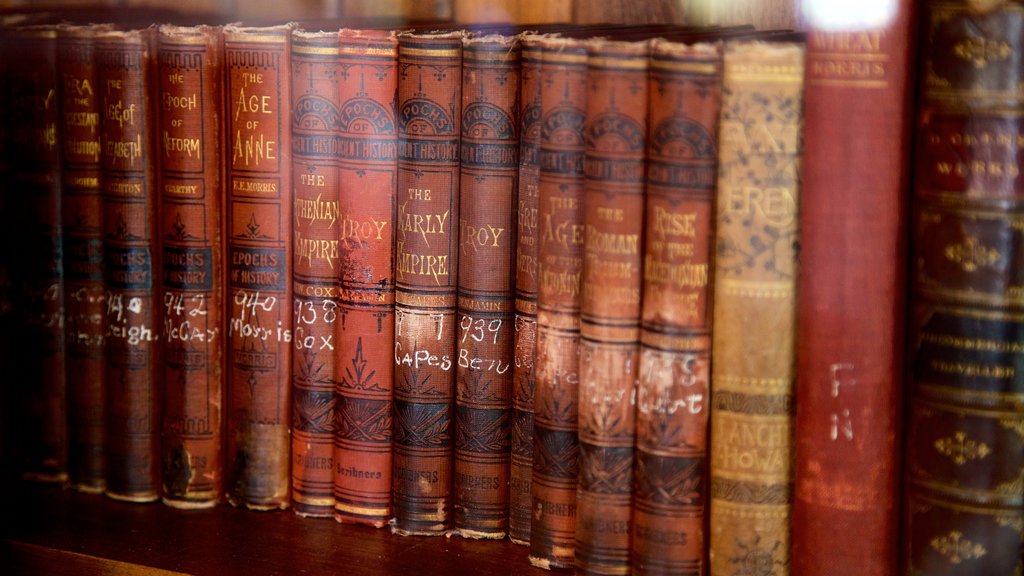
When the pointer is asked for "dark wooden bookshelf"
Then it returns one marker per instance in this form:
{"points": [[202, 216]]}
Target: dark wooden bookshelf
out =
{"points": [[52, 531]]}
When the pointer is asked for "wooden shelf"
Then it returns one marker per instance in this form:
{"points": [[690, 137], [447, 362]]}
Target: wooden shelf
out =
{"points": [[47, 530]]}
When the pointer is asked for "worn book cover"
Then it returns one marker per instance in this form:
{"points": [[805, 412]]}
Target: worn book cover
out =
{"points": [[317, 262], [615, 134], [125, 69], [368, 157], [426, 270], [670, 493], [82, 235], [754, 338], [487, 240], [964, 506], [257, 157], [189, 82], [852, 290], [563, 96]]}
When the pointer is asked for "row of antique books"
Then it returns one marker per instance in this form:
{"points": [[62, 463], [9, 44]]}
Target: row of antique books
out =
{"points": [[640, 304]]}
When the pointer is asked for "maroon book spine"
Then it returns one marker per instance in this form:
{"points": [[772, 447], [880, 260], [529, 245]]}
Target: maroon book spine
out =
{"points": [[613, 205], [82, 223], [191, 195], [525, 346], [368, 154], [963, 500], [487, 218], [36, 156], [851, 296], [669, 493], [257, 157], [124, 62], [560, 230], [316, 269], [426, 260]]}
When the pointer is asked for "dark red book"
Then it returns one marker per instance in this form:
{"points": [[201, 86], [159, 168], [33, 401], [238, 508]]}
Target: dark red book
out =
{"points": [[317, 263], [125, 67], [368, 155], [38, 266], [560, 230], [964, 507], [487, 236], [670, 489], [190, 205], [82, 230], [851, 295], [525, 347], [426, 265], [613, 217], [257, 156]]}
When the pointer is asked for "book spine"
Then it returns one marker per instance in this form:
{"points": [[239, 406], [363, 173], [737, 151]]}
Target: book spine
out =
{"points": [[10, 400], [560, 229], [675, 352], [487, 235], [257, 156], [525, 339], [613, 216], [426, 260], [316, 269], [190, 196], [124, 63], [36, 158], [852, 295], [369, 163], [82, 230], [753, 342], [964, 507]]}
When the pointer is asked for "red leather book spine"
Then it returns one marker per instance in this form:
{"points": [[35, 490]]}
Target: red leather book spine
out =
{"points": [[257, 156], [124, 62], [851, 295], [36, 154], [560, 230], [426, 260], [964, 506], [754, 338], [675, 352], [613, 205], [190, 195], [316, 269], [525, 345], [483, 399], [82, 223], [368, 171]]}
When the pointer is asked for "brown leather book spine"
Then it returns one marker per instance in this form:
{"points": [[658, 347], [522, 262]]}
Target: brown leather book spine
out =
{"points": [[368, 171], [964, 506], [852, 294], [613, 216], [257, 156], [487, 227], [316, 269], [82, 229], [36, 157], [563, 94], [754, 338], [190, 194], [525, 339], [669, 496], [426, 264], [124, 63]]}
